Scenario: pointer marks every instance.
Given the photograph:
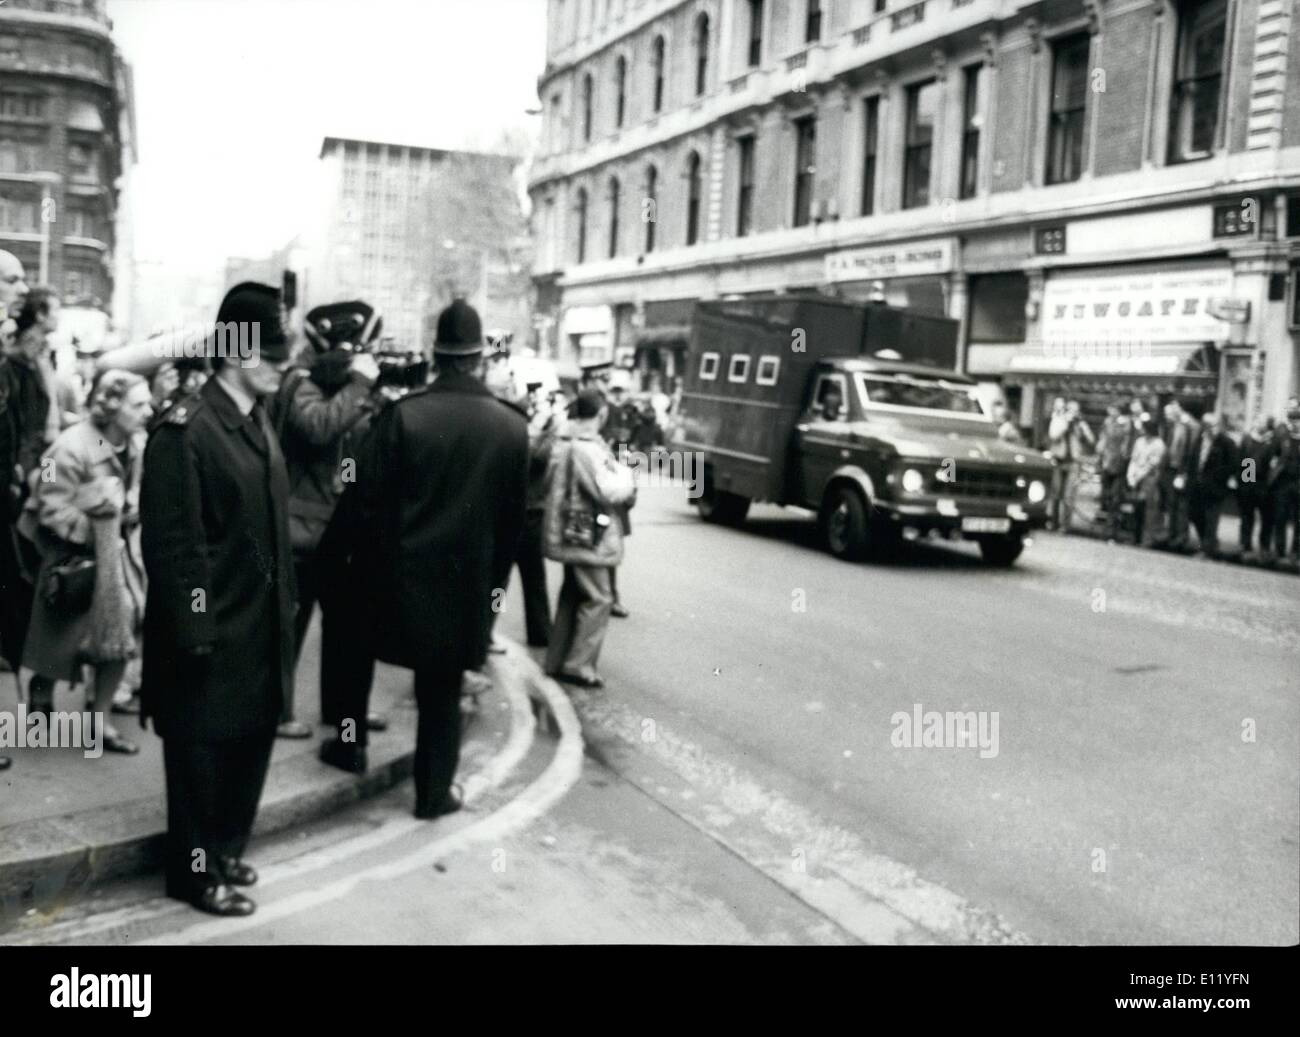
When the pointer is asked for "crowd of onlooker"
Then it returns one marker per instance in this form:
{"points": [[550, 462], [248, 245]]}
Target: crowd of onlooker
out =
{"points": [[1166, 479]]}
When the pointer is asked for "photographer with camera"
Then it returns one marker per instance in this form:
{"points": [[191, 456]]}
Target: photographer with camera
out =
{"points": [[585, 488], [321, 413]]}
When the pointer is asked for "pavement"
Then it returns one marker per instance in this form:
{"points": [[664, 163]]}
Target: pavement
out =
{"points": [[68, 823]]}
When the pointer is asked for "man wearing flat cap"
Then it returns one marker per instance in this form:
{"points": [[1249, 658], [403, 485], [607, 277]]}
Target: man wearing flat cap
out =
{"points": [[423, 538], [218, 626]]}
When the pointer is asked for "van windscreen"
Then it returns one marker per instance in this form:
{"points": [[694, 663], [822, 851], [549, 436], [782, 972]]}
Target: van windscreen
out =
{"points": [[912, 393]]}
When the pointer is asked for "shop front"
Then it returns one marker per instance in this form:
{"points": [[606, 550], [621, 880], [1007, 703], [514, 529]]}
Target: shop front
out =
{"points": [[660, 344], [1110, 335], [588, 335], [915, 275]]}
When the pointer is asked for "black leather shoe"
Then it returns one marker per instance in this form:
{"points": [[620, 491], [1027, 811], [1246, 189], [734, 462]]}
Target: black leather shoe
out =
{"points": [[376, 722], [5, 763], [449, 804], [619, 611], [238, 873], [579, 680], [115, 743], [224, 901], [346, 756]]}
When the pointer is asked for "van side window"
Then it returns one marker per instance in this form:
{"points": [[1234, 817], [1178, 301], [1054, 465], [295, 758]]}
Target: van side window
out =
{"points": [[739, 369], [832, 389], [709, 366], [768, 368]]}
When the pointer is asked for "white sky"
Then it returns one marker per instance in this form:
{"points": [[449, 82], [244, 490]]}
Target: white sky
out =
{"points": [[233, 98]]}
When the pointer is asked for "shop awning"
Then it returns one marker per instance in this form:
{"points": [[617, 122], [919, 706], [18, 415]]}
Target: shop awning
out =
{"points": [[663, 335], [985, 358], [1181, 360]]}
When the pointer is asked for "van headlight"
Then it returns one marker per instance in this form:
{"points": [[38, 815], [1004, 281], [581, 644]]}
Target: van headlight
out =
{"points": [[913, 481], [1037, 492]]}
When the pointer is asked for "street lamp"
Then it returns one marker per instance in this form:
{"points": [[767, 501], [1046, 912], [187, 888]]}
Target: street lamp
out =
{"points": [[46, 180]]}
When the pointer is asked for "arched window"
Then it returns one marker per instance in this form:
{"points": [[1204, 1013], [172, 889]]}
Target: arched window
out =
{"points": [[580, 209], [615, 192], [651, 211], [657, 60], [701, 53], [586, 107], [620, 90], [813, 22], [693, 198]]}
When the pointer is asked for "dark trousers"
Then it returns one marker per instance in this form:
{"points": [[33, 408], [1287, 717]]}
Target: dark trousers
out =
{"points": [[1286, 509], [345, 667], [1113, 485], [1058, 505], [1250, 505], [532, 574], [213, 789], [1205, 511], [437, 739], [1177, 508], [15, 599]]}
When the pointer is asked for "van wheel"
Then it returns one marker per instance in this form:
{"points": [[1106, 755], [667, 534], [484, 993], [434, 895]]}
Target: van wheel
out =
{"points": [[720, 506], [844, 523], [1001, 551]]}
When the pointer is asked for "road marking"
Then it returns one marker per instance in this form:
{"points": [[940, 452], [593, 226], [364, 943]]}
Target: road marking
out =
{"points": [[878, 900], [499, 768], [561, 774]]}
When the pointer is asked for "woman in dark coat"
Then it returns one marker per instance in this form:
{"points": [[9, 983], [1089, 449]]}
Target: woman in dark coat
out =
{"points": [[89, 507]]}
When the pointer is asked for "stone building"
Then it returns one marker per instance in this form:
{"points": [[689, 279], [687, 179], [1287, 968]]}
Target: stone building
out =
{"points": [[406, 228], [1103, 192], [67, 144]]}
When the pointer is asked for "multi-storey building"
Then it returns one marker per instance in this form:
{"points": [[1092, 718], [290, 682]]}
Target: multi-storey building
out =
{"points": [[1102, 192], [67, 143], [406, 228]]}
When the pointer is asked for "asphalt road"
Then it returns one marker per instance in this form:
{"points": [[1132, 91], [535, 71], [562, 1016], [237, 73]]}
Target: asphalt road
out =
{"points": [[1144, 788]]}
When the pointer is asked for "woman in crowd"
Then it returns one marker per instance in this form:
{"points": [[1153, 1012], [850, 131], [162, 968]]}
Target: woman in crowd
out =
{"points": [[87, 510], [1143, 478], [585, 487]]}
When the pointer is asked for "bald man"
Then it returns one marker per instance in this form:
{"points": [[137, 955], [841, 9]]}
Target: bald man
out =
{"points": [[15, 593], [13, 290]]}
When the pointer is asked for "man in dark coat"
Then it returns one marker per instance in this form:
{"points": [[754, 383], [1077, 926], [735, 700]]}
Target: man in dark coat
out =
{"points": [[321, 413], [218, 626], [1181, 437], [1252, 487], [1284, 484], [1212, 478], [424, 538], [15, 590]]}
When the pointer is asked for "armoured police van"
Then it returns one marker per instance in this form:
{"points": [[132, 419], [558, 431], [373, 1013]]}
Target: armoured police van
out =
{"points": [[855, 412]]}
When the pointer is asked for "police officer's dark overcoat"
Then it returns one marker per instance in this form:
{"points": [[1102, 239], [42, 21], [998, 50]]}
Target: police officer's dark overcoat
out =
{"points": [[430, 526], [214, 518]]}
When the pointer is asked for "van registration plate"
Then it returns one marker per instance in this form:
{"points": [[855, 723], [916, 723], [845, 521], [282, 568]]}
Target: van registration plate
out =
{"points": [[976, 524]]}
